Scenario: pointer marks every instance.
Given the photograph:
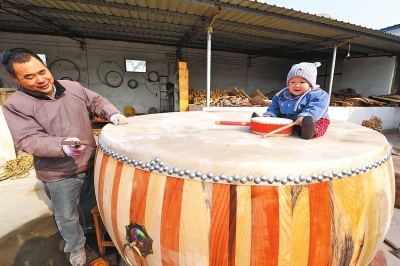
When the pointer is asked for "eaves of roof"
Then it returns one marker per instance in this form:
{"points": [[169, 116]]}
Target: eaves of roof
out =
{"points": [[240, 26]]}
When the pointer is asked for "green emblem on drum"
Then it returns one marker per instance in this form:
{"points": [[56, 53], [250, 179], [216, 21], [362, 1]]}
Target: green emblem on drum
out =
{"points": [[138, 237]]}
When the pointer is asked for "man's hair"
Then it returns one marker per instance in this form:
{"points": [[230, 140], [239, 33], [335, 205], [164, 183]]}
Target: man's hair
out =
{"points": [[16, 55]]}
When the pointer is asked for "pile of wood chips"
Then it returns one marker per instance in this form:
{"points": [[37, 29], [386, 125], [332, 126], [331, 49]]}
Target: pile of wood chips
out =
{"points": [[349, 97], [358, 102], [374, 123], [233, 98], [345, 94]]}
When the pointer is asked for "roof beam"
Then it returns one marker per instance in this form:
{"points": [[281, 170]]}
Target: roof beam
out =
{"points": [[263, 13], [198, 30], [27, 15], [138, 9], [84, 15]]}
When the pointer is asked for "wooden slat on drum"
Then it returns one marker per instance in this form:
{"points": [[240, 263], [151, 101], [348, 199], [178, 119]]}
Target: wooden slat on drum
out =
{"points": [[232, 224], [320, 224], [114, 205], [154, 203], [243, 226], [171, 215], [138, 198], [264, 225], [97, 166], [123, 207], [285, 225], [392, 182], [300, 228], [377, 214], [139, 193], [101, 165], [108, 179], [347, 196], [194, 232], [219, 231]]}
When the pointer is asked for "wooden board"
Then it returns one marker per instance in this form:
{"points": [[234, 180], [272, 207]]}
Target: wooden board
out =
{"points": [[6, 139], [183, 87]]}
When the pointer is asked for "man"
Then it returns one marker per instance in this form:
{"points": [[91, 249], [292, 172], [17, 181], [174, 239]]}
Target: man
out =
{"points": [[41, 114]]}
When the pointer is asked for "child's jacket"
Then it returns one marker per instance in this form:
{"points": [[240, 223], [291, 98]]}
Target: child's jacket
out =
{"points": [[312, 103]]}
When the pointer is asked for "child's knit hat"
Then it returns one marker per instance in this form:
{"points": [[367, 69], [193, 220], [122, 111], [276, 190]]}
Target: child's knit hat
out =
{"points": [[307, 71]]}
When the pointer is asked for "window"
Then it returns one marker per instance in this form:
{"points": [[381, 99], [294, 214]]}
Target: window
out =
{"points": [[135, 65], [43, 57]]}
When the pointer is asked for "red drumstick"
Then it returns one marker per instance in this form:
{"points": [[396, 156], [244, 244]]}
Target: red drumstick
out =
{"points": [[232, 123]]}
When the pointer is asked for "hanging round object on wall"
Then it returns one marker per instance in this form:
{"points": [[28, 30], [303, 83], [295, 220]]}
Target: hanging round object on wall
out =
{"points": [[152, 76], [65, 69], [113, 79], [132, 84], [110, 73]]}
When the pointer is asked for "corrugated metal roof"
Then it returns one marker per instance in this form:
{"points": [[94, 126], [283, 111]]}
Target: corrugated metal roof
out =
{"points": [[240, 26], [397, 26]]}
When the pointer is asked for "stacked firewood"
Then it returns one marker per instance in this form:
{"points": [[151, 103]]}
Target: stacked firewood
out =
{"points": [[199, 97], [349, 97], [358, 102], [233, 98], [345, 94], [231, 101], [271, 94]]}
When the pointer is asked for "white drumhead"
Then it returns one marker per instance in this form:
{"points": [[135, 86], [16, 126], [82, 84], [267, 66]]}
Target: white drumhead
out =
{"points": [[192, 140], [271, 120]]}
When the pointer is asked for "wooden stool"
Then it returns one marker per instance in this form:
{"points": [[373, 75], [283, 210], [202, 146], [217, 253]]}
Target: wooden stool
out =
{"points": [[100, 232]]}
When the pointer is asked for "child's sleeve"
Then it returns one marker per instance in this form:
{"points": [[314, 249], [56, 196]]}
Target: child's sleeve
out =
{"points": [[316, 106], [273, 110]]}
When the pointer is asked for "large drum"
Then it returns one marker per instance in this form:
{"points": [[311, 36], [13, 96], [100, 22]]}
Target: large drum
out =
{"points": [[176, 189]]}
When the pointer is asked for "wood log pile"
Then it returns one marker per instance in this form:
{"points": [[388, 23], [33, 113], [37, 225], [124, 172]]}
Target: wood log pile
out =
{"points": [[359, 102], [345, 94], [233, 98], [349, 97], [374, 123]]}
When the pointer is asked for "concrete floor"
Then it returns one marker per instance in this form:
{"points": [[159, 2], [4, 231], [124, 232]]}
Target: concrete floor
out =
{"points": [[29, 236]]}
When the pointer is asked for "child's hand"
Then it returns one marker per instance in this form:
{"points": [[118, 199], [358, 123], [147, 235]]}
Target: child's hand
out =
{"points": [[264, 115], [299, 121]]}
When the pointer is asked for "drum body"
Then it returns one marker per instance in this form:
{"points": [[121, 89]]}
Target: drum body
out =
{"points": [[264, 125], [208, 195]]}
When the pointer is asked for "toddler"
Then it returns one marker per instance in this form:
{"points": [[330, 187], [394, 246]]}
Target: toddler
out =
{"points": [[303, 101]]}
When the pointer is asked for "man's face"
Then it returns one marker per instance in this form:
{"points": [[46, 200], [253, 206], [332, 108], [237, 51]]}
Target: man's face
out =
{"points": [[33, 76]]}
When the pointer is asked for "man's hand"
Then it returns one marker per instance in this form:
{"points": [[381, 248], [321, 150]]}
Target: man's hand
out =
{"points": [[118, 119], [72, 150]]}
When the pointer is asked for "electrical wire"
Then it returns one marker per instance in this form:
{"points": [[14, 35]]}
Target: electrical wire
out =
{"points": [[66, 60], [145, 83], [347, 56], [105, 81], [1, 83], [151, 79]]}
